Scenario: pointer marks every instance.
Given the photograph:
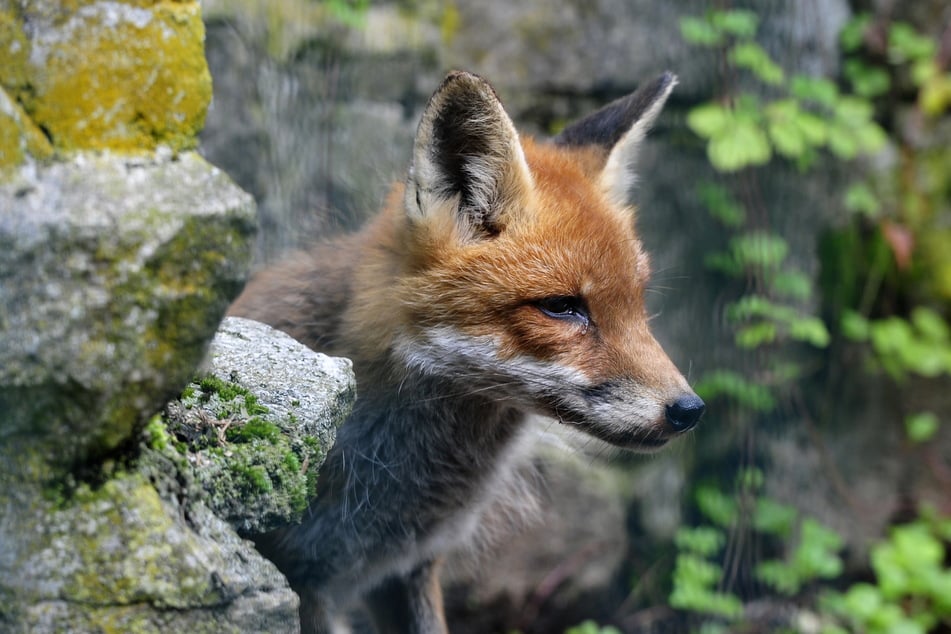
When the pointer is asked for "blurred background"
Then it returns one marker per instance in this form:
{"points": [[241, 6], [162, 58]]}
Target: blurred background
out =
{"points": [[796, 198]]}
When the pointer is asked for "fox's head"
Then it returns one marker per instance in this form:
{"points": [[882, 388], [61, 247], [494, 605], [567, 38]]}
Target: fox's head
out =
{"points": [[524, 278]]}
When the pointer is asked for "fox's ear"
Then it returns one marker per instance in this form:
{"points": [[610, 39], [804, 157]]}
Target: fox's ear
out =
{"points": [[618, 129], [466, 150]]}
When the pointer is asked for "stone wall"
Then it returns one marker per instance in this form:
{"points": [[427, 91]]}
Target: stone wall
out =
{"points": [[120, 250]]}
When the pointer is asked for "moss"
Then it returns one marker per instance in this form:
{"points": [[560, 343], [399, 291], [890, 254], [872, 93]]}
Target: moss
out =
{"points": [[252, 405], [254, 478], [210, 384], [156, 434], [127, 510], [254, 472], [254, 429]]}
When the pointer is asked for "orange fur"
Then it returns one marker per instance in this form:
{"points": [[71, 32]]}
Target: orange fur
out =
{"points": [[504, 277]]}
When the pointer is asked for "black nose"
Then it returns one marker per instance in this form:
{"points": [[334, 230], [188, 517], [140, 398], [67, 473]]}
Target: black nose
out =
{"points": [[684, 413]]}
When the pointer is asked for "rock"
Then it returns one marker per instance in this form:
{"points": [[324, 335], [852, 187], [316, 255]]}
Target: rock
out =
{"points": [[115, 270], [19, 136], [121, 75], [116, 273], [135, 554], [258, 422]]}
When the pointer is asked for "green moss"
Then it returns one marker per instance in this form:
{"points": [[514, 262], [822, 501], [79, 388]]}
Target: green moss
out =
{"points": [[254, 478], [156, 434], [252, 406], [127, 510], [254, 429], [210, 384]]}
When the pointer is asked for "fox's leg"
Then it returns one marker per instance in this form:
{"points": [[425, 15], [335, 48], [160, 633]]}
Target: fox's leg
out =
{"points": [[410, 604], [316, 616]]}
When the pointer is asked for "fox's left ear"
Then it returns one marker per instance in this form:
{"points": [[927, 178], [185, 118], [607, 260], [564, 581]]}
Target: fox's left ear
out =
{"points": [[618, 129], [467, 159]]}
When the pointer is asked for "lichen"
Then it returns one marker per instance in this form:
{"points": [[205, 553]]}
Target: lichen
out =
{"points": [[109, 75], [19, 137]]}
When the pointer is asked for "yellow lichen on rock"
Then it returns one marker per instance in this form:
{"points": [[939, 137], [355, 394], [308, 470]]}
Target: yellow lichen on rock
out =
{"points": [[18, 136], [108, 75]]}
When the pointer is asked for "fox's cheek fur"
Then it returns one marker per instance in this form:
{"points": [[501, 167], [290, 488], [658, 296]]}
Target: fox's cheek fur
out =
{"points": [[621, 411]]}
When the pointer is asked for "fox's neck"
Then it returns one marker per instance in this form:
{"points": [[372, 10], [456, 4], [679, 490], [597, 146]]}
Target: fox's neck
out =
{"points": [[428, 439]]}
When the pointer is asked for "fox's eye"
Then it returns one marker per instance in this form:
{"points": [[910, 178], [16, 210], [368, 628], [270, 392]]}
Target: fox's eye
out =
{"points": [[565, 307]]}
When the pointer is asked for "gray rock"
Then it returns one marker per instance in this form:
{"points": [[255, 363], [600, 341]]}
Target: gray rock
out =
{"points": [[116, 271], [258, 421], [136, 554]]}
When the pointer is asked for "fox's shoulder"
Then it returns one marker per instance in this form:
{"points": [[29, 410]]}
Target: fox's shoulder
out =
{"points": [[305, 293]]}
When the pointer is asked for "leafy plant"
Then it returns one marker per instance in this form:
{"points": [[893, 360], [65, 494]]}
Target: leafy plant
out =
{"points": [[912, 589], [770, 114], [807, 114], [811, 550]]}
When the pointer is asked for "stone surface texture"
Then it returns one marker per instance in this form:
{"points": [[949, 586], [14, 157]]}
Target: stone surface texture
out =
{"points": [[256, 437]]}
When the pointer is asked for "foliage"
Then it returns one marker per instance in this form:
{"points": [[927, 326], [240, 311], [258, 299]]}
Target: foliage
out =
{"points": [[811, 549], [805, 114], [912, 589], [590, 627], [767, 113]]}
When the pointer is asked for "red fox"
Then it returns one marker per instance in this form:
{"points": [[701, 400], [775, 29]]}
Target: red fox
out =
{"points": [[504, 278]]}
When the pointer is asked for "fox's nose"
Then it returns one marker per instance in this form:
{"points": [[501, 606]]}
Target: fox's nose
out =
{"points": [[684, 413]]}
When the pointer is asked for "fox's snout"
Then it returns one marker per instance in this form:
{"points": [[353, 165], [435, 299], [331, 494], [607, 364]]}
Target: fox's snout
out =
{"points": [[684, 413]]}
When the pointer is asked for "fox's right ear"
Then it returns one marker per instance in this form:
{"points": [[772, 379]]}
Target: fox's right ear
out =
{"points": [[467, 158], [618, 129]]}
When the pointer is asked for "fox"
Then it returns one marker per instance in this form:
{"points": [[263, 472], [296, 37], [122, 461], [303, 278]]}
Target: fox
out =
{"points": [[502, 279]]}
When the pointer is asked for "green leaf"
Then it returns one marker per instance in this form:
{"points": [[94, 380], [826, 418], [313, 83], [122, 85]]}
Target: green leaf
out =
{"points": [[843, 143], [854, 326], [852, 110], [756, 335], [719, 507], [870, 137], [774, 518], [739, 145], [859, 198], [792, 284], [853, 33], [709, 119], [905, 44], [722, 205], [738, 22], [759, 249], [816, 555], [704, 541], [779, 575], [729, 384], [814, 128], [754, 58], [787, 138], [811, 330], [930, 324], [921, 427], [818, 89], [867, 81], [862, 600], [699, 31]]}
